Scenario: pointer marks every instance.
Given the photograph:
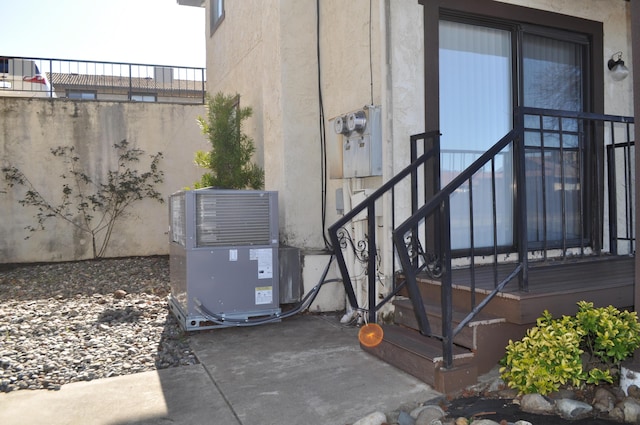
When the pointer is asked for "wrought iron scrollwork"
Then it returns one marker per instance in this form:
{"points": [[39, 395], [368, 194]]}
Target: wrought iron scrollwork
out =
{"points": [[421, 258], [360, 248]]}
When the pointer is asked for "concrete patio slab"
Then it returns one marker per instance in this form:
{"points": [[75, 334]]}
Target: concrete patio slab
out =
{"points": [[304, 370], [183, 395]]}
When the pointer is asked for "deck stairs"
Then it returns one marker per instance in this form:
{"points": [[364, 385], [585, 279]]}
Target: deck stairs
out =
{"points": [[499, 302], [477, 348], [480, 345]]}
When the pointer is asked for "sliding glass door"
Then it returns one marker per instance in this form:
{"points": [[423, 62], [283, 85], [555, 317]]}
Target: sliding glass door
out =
{"points": [[484, 70]]}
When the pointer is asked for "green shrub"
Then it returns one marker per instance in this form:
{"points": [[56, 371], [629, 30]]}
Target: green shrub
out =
{"points": [[611, 335], [571, 350], [228, 163], [547, 356]]}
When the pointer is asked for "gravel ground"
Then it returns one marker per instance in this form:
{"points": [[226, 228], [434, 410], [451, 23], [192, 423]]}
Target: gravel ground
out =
{"points": [[78, 321]]}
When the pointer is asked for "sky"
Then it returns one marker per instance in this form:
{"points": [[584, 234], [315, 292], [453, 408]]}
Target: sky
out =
{"points": [[155, 32]]}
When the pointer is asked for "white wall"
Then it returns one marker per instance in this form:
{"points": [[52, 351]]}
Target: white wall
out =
{"points": [[261, 51], [29, 128]]}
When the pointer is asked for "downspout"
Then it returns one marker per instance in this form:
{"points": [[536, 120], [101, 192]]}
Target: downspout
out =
{"points": [[386, 102], [630, 371]]}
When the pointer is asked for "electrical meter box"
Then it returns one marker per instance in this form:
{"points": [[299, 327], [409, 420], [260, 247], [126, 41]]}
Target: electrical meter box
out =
{"points": [[223, 257], [359, 143]]}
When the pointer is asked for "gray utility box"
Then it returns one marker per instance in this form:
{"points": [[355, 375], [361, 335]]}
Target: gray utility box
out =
{"points": [[224, 255], [290, 275]]}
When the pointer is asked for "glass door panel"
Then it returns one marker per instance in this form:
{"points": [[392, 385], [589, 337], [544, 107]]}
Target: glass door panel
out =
{"points": [[552, 78], [475, 112]]}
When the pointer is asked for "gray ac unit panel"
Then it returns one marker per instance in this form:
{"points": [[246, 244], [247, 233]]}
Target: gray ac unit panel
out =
{"points": [[224, 255], [290, 275], [235, 283]]}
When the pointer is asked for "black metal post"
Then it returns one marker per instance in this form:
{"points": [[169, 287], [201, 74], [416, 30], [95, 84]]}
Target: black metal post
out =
{"points": [[371, 264], [521, 202], [342, 266], [446, 296]]}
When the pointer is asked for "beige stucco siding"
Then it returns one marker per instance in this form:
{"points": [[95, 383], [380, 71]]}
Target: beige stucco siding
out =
{"points": [[30, 128], [267, 52]]}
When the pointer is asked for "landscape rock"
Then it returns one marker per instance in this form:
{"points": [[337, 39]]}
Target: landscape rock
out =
{"points": [[618, 393], [119, 294], [415, 412], [633, 391], [496, 385], [617, 413], [429, 414], [631, 409], [67, 323], [375, 418], [536, 403], [405, 419], [604, 400], [572, 409]]}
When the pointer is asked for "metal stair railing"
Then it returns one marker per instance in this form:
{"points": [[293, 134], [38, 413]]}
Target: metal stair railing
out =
{"points": [[608, 139], [423, 241], [594, 132], [417, 174], [438, 210]]}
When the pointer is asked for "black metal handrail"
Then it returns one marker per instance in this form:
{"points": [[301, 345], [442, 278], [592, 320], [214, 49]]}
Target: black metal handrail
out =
{"points": [[621, 238], [438, 207], [96, 80], [586, 129], [423, 241], [415, 175]]}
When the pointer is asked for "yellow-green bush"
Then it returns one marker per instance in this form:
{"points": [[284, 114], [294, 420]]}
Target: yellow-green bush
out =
{"points": [[571, 350]]}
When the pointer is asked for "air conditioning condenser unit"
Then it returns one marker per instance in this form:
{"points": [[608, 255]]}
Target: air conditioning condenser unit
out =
{"points": [[224, 264]]}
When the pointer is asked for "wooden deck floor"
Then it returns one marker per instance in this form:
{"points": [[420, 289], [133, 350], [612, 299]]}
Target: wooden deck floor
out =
{"points": [[556, 287], [556, 277]]}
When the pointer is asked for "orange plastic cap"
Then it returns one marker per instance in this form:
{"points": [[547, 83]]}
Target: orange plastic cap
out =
{"points": [[370, 335]]}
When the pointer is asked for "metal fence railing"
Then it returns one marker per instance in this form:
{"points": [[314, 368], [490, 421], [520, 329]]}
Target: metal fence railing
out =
{"points": [[89, 80]]}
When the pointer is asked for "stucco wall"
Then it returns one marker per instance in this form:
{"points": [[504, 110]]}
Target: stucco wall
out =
{"points": [[29, 128], [267, 52]]}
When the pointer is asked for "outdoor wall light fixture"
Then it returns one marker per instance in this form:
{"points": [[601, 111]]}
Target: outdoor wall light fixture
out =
{"points": [[616, 65]]}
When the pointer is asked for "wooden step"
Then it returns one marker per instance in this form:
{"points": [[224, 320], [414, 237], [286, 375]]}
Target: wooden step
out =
{"points": [[405, 316], [555, 287], [504, 305], [486, 336], [422, 357]]}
